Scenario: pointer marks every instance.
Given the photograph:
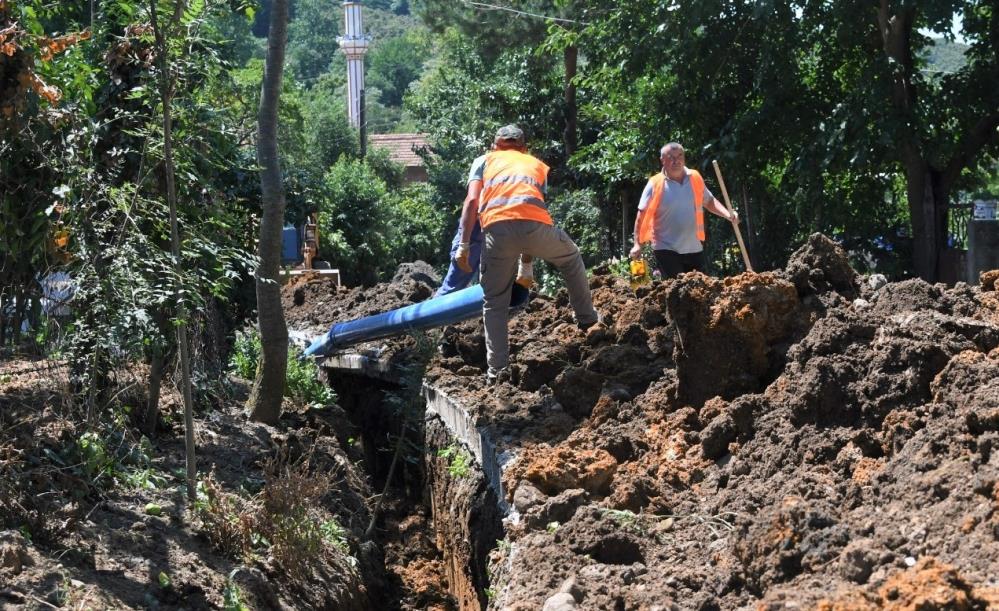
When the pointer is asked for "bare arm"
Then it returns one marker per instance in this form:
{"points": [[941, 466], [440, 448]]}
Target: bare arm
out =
{"points": [[636, 250], [715, 207], [470, 210]]}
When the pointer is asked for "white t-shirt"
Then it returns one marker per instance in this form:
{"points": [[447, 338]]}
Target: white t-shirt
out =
{"points": [[675, 225]]}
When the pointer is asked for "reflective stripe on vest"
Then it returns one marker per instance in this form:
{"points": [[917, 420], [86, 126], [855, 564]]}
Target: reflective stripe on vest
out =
{"points": [[646, 230], [511, 189]]}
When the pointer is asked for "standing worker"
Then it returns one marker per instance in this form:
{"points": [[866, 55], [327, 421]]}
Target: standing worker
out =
{"points": [[509, 203], [457, 278], [671, 215]]}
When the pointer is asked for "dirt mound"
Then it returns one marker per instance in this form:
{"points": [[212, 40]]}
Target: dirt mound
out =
{"points": [[805, 437], [313, 303], [820, 267], [760, 440], [420, 271]]}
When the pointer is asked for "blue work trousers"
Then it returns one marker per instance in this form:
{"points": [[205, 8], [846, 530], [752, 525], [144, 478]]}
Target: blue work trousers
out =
{"points": [[456, 279]]}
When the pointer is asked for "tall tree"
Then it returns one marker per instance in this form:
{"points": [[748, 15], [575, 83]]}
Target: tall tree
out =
{"points": [[941, 124], [507, 24], [268, 388], [166, 95]]}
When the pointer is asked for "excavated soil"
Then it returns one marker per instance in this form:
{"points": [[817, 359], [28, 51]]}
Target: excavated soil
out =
{"points": [[806, 438]]}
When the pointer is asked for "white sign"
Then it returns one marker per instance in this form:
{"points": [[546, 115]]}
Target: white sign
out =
{"points": [[985, 210]]}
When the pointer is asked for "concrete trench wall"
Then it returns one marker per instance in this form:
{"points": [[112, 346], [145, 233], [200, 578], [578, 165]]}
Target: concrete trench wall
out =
{"points": [[467, 504], [467, 518]]}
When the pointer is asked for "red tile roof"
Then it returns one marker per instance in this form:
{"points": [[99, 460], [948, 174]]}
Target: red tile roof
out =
{"points": [[400, 146]]}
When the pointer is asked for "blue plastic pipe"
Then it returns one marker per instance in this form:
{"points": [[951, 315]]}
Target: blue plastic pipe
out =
{"points": [[454, 307]]}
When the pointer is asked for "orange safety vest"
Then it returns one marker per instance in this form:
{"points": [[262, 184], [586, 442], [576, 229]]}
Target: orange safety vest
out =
{"points": [[511, 189], [646, 229]]}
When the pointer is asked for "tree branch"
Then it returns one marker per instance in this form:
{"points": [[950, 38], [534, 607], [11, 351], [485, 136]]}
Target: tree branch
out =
{"points": [[983, 132]]}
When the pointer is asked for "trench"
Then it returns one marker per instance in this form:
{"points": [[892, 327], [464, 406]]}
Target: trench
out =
{"points": [[458, 479]]}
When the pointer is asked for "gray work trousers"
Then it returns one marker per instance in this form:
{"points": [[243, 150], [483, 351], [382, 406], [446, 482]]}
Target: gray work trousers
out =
{"points": [[504, 242]]}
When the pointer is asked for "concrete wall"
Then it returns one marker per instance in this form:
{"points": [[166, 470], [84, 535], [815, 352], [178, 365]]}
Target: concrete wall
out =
{"points": [[983, 248]]}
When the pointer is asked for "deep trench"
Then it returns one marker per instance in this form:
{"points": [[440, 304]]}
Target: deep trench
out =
{"points": [[465, 510]]}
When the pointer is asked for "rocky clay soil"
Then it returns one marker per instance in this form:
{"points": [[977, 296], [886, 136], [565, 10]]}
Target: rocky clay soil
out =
{"points": [[806, 438]]}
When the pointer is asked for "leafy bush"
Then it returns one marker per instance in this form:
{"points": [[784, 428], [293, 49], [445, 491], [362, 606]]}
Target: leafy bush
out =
{"points": [[578, 214], [459, 461], [355, 220], [302, 381], [422, 230], [245, 354]]}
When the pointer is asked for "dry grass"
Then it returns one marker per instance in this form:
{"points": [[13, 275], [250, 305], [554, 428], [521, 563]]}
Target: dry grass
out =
{"points": [[286, 520]]}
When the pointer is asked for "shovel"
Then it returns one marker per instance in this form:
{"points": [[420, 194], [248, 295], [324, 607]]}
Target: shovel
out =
{"points": [[735, 226]]}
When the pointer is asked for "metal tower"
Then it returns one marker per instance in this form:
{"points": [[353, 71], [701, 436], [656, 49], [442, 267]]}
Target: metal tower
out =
{"points": [[354, 44]]}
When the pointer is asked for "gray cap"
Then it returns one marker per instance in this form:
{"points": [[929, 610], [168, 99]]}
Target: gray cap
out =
{"points": [[510, 132]]}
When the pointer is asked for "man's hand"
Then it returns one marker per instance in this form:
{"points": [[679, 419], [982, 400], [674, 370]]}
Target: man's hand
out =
{"points": [[525, 274], [461, 258], [636, 251], [735, 217]]}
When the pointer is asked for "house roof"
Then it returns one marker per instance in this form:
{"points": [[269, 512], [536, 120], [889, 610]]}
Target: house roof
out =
{"points": [[401, 147]]}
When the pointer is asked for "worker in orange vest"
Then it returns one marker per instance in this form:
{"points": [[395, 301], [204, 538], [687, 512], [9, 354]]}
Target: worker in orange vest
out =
{"points": [[456, 278], [671, 215], [509, 204]]}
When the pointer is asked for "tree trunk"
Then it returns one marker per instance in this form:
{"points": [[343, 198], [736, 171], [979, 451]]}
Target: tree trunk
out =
{"points": [[268, 388], [569, 136], [166, 95], [927, 197], [157, 366]]}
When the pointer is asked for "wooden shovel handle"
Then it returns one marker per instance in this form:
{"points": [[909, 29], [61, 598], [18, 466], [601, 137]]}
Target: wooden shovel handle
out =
{"points": [[735, 226]]}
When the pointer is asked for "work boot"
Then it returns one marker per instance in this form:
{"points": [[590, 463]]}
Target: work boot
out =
{"points": [[585, 326], [496, 376]]}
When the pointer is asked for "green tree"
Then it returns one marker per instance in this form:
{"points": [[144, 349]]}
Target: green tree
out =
{"points": [[330, 134], [521, 24], [395, 63], [312, 34], [355, 222]]}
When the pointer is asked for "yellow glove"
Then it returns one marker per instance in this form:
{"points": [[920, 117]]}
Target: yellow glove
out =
{"points": [[461, 258]]}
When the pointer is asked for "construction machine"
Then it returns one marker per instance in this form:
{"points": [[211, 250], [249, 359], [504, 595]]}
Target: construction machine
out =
{"points": [[300, 249]]}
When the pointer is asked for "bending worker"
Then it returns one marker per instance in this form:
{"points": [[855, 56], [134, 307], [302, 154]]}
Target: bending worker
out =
{"points": [[457, 278], [671, 215], [509, 204]]}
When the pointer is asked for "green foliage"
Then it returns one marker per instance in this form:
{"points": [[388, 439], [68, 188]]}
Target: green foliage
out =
{"points": [[578, 213], [355, 222], [312, 35], [422, 229], [245, 354], [232, 597], [330, 135], [395, 63], [302, 381], [459, 461], [111, 457]]}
